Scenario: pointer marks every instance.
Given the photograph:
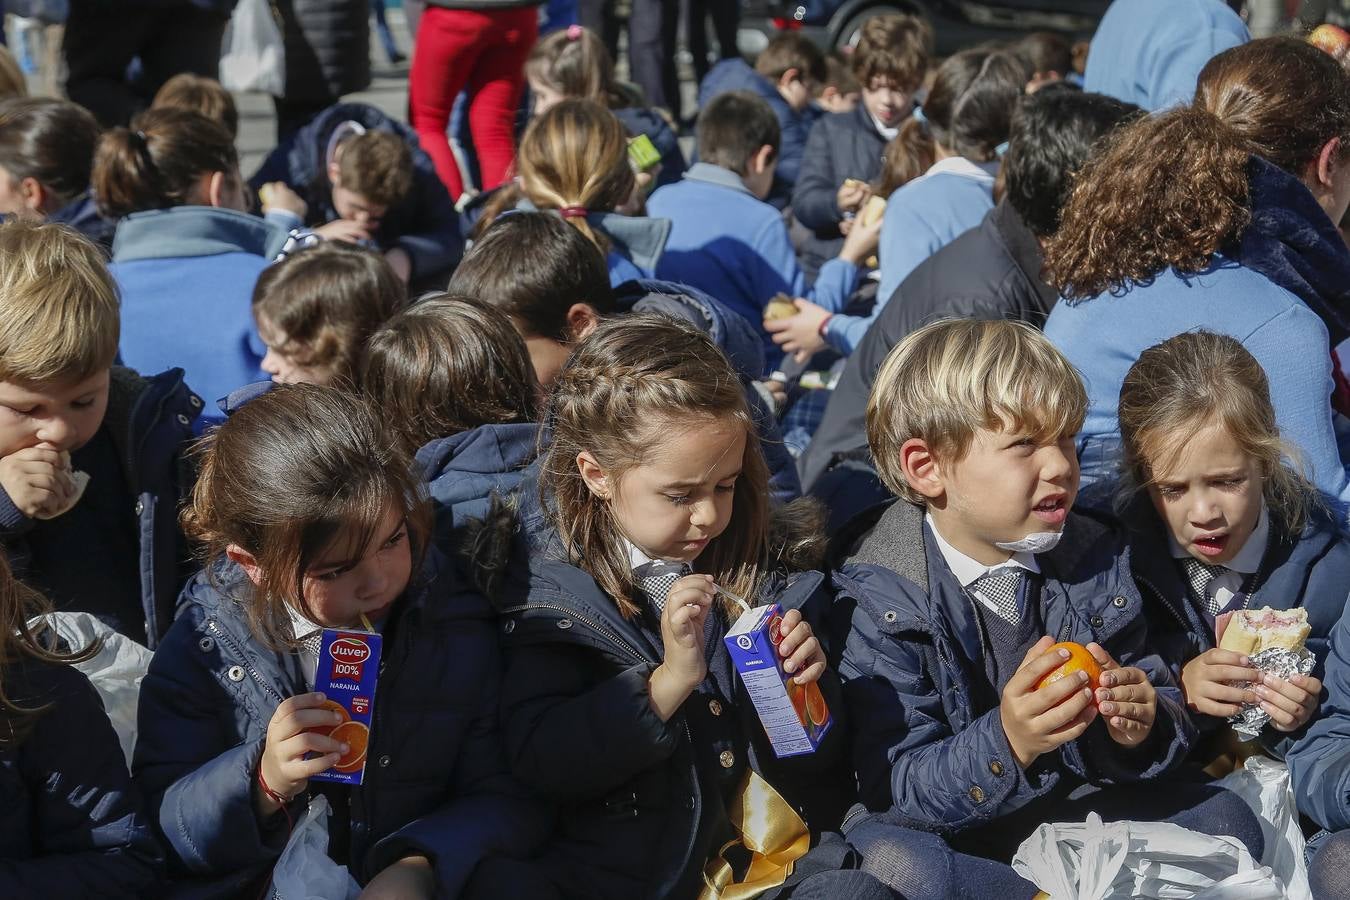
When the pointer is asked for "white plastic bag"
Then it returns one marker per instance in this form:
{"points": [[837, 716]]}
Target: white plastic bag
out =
{"points": [[1264, 784], [304, 871], [1096, 861], [116, 672], [253, 57], [48, 12]]}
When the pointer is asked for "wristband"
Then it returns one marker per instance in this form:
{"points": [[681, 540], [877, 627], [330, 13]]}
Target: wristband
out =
{"points": [[276, 798], [824, 323]]}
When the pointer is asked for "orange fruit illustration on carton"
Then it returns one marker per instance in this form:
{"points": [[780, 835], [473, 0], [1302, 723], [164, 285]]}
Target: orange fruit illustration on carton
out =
{"points": [[355, 736], [816, 710]]}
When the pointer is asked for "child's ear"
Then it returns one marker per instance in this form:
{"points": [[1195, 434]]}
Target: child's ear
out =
{"points": [[1328, 161], [581, 320], [246, 561], [334, 170], [920, 468], [763, 158], [593, 475], [34, 194], [785, 80]]}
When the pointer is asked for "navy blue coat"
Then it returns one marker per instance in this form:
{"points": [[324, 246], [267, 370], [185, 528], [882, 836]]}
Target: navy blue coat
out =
{"points": [[840, 146], [642, 802], [738, 339], [72, 824], [929, 744], [464, 470], [1312, 571], [436, 783], [424, 224], [737, 75], [150, 422]]}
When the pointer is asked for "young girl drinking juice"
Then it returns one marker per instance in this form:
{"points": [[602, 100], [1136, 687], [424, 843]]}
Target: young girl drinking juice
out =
{"points": [[1220, 523], [620, 702], [72, 823], [311, 519]]}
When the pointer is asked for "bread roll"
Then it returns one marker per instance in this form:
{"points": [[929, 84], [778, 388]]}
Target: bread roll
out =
{"points": [[81, 480], [1250, 631], [780, 307]]}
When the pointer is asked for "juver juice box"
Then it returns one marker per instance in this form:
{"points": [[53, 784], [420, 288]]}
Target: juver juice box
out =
{"points": [[795, 716], [349, 663]]}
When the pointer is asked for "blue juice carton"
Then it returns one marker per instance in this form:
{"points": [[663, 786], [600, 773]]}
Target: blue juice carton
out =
{"points": [[349, 664], [795, 716]]}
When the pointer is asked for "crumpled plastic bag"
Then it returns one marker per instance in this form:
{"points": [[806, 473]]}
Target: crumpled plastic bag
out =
{"points": [[304, 871], [253, 54], [116, 672], [1264, 783], [1096, 861]]}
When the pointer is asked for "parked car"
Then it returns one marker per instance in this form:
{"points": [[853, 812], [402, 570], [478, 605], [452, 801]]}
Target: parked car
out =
{"points": [[834, 24]]}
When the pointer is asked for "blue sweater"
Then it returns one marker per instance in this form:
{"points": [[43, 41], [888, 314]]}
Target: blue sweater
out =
{"points": [[728, 243], [1150, 52], [186, 276], [921, 218]]}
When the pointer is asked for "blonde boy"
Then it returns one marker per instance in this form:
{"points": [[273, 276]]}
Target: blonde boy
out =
{"points": [[956, 598], [70, 419]]}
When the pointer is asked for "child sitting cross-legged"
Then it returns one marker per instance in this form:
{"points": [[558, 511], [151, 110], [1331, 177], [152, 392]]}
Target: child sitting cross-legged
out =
{"points": [[960, 755]]}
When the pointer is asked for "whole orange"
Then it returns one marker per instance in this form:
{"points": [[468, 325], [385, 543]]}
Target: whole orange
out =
{"points": [[1080, 660]]}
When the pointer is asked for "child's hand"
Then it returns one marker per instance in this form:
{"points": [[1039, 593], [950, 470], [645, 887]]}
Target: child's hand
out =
{"points": [[277, 195], [1125, 698], [283, 764], [37, 479], [343, 230], [685, 665], [1291, 703], [1208, 679], [799, 649], [1037, 722], [411, 878], [861, 242], [851, 195], [799, 334]]}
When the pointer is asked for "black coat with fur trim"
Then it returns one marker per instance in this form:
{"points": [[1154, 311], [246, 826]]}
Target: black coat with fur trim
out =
{"points": [[642, 802]]}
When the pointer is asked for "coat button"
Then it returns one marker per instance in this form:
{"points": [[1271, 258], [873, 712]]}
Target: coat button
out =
{"points": [[183, 420], [1096, 621], [235, 673], [714, 707], [997, 768], [140, 507], [509, 626], [889, 615], [194, 401], [564, 623], [727, 759], [688, 802], [206, 645], [385, 761], [1119, 602], [976, 794]]}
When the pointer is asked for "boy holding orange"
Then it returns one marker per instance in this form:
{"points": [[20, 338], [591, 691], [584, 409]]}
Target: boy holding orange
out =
{"points": [[956, 596]]}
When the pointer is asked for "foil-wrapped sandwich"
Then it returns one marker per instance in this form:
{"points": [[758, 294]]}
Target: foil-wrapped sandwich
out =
{"points": [[1273, 639]]}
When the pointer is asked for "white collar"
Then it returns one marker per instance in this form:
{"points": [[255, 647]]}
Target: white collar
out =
{"points": [[300, 626], [638, 558], [959, 165], [888, 133], [1248, 559], [968, 570]]}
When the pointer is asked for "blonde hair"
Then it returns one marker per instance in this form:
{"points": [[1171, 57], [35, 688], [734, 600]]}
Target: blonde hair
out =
{"points": [[955, 376], [13, 83], [59, 318], [574, 159], [1191, 382], [632, 381]]}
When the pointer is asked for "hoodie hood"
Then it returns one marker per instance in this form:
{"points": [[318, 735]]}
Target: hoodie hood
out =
{"points": [[735, 336]]}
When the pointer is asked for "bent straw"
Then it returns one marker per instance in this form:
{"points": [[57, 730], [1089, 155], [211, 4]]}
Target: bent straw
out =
{"points": [[745, 607], [366, 622]]}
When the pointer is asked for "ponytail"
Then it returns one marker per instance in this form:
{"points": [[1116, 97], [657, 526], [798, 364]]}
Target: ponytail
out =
{"points": [[909, 154], [156, 164]]}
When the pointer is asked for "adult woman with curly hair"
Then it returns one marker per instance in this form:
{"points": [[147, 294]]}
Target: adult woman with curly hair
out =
{"points": [[1220, 215]]}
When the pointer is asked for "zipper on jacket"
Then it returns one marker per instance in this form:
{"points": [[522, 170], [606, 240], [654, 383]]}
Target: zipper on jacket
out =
{"points": [[601, 630], [225, 638]]}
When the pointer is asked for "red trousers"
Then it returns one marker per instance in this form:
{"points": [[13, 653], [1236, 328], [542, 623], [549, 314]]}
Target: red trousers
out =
{"points": [[483, 52]]}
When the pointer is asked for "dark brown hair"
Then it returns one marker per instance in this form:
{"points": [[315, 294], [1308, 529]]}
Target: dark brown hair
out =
{"points": [[50, 141], [895, 47], [197, 93], [733, 127], [629, 381], [968, 111], [839, 76], [533, 266], [378, 165], [287, 477], [445, 365], [157, 162], [1046, 53], [1190, 382], [790, 50], [1172, 189], [22, 644], [326, 301], [578, 66]]}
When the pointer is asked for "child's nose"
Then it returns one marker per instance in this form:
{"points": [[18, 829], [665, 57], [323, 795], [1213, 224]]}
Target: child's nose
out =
{"points": [[703, 513], [58, 432]]}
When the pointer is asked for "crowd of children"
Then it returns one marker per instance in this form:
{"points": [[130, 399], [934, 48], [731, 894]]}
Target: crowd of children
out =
{"points": [[551, 439]]}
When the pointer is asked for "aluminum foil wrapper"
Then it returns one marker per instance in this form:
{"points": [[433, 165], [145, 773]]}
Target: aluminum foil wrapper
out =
{"points": [[1281, 663]]}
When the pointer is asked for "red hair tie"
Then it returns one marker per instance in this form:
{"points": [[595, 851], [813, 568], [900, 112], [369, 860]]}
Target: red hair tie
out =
{"points": [[573, 32], [573, 212]]}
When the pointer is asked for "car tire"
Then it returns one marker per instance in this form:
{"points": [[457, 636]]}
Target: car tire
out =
{"points": [[847, 36]]}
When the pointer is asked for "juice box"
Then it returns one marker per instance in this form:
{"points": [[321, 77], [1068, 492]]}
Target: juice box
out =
{"points": [[795, 716], [349, 663]]}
